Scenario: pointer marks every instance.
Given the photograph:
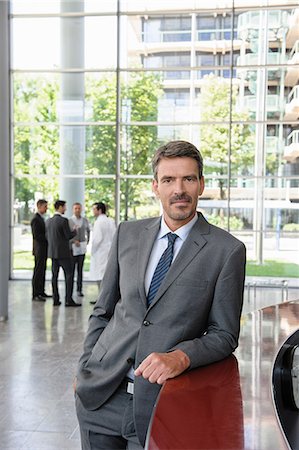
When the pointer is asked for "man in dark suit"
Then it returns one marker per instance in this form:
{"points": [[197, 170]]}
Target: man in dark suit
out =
{"points": [[40, 250], [170, 301], [59, 235]]}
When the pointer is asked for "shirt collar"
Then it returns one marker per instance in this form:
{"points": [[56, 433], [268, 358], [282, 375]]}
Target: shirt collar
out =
{"points": [[181, 232]]}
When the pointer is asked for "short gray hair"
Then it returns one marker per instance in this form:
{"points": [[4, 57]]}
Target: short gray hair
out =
{"points": [[177, 149]]}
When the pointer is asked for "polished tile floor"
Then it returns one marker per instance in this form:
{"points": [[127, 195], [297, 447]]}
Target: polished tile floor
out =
{"points": [[39, 349]]}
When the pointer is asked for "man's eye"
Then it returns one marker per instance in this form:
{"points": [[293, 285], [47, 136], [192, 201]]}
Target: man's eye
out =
{"points": [[189, 179]]}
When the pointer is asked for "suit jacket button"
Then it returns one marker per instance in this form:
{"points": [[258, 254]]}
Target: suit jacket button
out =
{"points": [[130, 360], [146, 323]]}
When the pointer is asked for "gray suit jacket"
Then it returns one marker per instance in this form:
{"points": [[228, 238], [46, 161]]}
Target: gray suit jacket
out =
{"points": [[197, 309], [58, 233]]}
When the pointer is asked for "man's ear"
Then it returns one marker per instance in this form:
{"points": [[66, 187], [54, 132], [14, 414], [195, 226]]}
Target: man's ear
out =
{"points": [[201, 185], [155, 188]]}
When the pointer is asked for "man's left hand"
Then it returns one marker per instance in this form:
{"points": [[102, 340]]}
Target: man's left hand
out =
{"points": [[159, 367]]}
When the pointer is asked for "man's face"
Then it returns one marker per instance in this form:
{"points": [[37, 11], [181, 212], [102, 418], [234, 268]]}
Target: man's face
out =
{"points": [[95, 211], [43, 208], [77, 209], [178, 187], [62, 209]]}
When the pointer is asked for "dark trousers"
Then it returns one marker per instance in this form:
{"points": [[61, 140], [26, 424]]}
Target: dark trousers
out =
{"points": [[67, 267], [111, 427], [39, 274], [78, 262]]}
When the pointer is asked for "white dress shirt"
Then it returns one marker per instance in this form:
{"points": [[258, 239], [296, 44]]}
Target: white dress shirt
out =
{"points": [[161, 244]]}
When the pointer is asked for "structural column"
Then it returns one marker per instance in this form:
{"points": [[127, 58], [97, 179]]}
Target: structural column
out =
{"points": [[72, 136], [260, 133], [4, 158]]}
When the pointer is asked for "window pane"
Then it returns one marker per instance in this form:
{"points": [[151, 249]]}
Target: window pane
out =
{"points": [[139, 96], [100, 42], [64, 42], [214, 146], [44, 97], [30, 52], [74, 150], [100, 154], [54, 6], [36, 150], [213, 201], [138, 144], [174, 5], [27, 190], [138, 200], [100, 190]]}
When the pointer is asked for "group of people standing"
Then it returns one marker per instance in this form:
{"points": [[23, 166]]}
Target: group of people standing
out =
{"points": [[65, 242]]}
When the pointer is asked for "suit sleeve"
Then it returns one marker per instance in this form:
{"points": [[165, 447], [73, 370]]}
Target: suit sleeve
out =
{"points": [[104, 308], [67, 231], [221, 336]]}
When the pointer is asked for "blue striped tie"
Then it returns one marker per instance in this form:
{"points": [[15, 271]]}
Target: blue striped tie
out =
{"points": [[162, 268]]}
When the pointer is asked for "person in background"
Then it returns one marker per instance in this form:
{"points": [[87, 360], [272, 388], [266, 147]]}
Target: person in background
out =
{"points": [[40, 252], [102, 236], [59, 235], [79, 243], [170, 301]]}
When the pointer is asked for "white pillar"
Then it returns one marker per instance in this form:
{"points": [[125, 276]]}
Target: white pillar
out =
{"points": [[71, 106], [4, 158], [259, 161]]}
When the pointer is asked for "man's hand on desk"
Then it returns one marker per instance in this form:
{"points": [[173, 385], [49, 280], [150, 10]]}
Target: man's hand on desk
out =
{"points": [[159, 367]]}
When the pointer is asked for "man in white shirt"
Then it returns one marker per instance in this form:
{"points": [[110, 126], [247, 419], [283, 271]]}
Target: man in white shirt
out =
{"points": [[79, 243], [102, 236]]}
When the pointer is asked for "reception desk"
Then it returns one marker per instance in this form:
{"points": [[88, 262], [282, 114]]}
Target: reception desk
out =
{"points": [[231, 404]]}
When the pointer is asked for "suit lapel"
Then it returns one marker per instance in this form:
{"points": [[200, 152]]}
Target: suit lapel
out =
{"points": [[190, 248], [146, 241]]}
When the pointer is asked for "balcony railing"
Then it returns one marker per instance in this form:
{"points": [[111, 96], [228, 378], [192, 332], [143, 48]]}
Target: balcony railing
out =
{"points": [[293, 138], [294, 94], [292, 105], [214, 34], [291, 150], [250, 21], [252, 59], [249, 102], [295, 52]]}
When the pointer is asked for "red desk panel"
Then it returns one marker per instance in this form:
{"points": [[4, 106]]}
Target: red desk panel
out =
{"points": [[228, 404]]}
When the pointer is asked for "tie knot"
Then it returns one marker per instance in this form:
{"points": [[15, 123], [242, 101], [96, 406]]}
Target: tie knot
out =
{"points": [[171, 237]]}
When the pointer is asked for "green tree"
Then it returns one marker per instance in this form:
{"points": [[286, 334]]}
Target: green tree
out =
{"points": [[217, 97], [139, 103], [36, 148]]}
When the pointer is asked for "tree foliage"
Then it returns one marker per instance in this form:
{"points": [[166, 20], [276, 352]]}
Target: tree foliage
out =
{"points": [[37, 147], [218, 97]]}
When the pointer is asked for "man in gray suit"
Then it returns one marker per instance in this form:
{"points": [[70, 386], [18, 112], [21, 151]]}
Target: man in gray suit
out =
{"points": [[150, 324], [59, 235]]}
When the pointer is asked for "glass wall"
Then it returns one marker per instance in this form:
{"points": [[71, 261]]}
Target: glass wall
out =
{"points": [[98, 86]]}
